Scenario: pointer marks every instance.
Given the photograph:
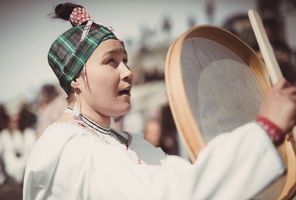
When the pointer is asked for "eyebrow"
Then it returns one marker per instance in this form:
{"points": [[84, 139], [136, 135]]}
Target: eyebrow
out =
{"points": [[116, 51]]}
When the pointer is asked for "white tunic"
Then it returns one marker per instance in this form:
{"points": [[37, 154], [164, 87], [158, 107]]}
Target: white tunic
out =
{"points": [[70, 162]]}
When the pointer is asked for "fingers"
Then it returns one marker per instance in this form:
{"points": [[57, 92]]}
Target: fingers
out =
{"points": [[283, 88], [289, 91], [282, 83]]}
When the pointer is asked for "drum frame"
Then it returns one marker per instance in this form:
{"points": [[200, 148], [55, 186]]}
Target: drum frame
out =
{"points": [[180, 106]]}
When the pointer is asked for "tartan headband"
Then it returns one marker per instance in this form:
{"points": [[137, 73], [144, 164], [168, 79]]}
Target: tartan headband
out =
{"points": [[71, 50]]}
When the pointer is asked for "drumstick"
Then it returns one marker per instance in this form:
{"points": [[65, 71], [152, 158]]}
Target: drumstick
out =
{"points": [[265, 47]]}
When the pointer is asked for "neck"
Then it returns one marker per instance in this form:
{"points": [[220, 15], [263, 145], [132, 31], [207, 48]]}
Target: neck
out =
{"points": [[90, 113], [100, 119]]}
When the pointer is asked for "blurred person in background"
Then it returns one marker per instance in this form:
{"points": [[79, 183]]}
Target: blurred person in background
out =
{"points": [[80, 157], [152, 131], [4, 122], [17, 141], [51, 104], [47, 93], [10, 189], [169, 140], [283, 52], [4, 117], [161, 132], [27, 126]]}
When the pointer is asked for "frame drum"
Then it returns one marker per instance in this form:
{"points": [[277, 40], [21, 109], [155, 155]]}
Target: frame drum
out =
{"points": [[215, 83]]}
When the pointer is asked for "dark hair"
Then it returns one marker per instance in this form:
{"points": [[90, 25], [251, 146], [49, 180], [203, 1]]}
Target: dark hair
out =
{"points": [[4, 117], [64, 10], [168, 132], [49, 92], [27, 119]]}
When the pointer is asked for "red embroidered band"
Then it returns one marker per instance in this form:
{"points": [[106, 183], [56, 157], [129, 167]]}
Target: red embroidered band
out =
{"points": [[273, 131], [78, 16]]}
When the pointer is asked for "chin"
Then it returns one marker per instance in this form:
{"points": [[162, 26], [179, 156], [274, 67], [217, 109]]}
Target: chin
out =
{"points": [[122, 111]]}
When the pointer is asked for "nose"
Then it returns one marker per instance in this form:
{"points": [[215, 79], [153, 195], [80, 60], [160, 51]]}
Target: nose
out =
{"points": [[126, 73]]}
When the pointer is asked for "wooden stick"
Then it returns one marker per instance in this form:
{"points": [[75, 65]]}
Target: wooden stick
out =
{"points": [[265, 47]]}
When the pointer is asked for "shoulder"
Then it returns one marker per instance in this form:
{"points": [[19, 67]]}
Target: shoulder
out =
{"points": [[64, 140], [146, 151], [55, 135], [52, 142]]}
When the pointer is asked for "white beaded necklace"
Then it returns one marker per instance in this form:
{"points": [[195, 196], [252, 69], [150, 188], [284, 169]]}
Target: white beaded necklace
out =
{"points": [[106, 134], [103, 133]]}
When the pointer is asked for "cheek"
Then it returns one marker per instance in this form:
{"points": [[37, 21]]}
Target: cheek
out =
{"points": [[103, 83], [102, 94]]}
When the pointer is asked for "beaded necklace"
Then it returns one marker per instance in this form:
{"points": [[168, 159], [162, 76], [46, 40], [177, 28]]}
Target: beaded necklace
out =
{"points": [[106, 134], [85, 122]]}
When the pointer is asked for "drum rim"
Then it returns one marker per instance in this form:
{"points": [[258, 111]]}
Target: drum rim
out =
{"points": [[178, 100]]}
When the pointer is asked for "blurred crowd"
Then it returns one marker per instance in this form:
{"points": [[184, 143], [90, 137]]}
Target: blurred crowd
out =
{"points": [[20, 126]]}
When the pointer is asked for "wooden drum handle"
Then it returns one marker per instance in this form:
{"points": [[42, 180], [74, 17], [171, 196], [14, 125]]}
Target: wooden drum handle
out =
{"points": [[265, 47]]}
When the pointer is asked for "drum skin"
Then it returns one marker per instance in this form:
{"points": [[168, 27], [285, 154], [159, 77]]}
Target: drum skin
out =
{"points": [[215, 83]]}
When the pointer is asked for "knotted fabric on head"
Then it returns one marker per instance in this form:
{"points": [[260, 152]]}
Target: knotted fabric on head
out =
{"points": [[79, 16], [71, 50]]}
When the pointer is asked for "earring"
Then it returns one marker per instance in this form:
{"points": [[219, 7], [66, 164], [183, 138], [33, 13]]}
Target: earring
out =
{"points": [[76, 109]]}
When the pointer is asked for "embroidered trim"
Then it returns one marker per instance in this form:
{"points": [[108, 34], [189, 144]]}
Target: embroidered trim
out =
{"points": [[273, 131]]}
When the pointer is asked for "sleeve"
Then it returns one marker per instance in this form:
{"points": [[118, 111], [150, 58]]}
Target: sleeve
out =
{"points": [[234, 165]]}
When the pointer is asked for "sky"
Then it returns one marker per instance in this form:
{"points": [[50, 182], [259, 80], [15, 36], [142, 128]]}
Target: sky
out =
{"points": [[27, 32]]}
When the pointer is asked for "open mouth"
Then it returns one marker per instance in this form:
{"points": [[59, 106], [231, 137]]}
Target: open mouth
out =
{"points": [[125, 91]]}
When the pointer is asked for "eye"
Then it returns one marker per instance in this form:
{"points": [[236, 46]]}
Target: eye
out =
{"points": [[111, 62]]}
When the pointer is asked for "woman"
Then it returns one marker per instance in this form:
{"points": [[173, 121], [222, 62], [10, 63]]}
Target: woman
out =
{"points": [[50, 105], [80, 157], [4, 122], [17, 141]]}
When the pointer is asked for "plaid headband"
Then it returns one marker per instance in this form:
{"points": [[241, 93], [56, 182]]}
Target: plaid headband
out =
{"points": [[71, 50]]}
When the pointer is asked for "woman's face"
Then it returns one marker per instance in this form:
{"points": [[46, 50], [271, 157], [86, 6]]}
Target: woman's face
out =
{"points": [[105, 82]]}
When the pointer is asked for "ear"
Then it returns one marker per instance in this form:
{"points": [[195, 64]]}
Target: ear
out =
{"points": [[77, 84]]}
